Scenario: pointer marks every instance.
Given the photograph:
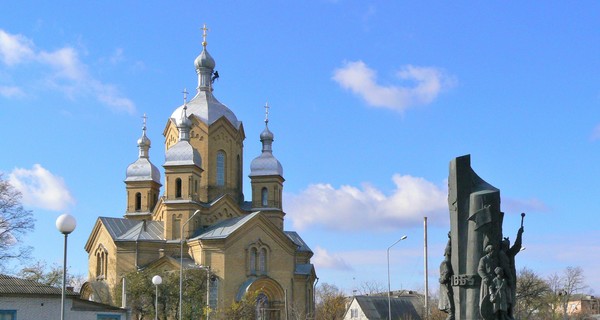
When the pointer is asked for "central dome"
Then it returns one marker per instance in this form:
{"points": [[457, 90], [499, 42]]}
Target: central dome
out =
{"points": [[207, 108]]}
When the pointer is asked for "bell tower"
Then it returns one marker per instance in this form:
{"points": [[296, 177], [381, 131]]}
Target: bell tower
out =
{"points": [[266, 175], [142, 182]]}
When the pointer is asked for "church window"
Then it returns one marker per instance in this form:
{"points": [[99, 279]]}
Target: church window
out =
{"points": [[178, 188], [262, 261], [262, 306], [176, 228], [101, 262], [138, 201], [264, 196], [252, 262], [220, 168]]}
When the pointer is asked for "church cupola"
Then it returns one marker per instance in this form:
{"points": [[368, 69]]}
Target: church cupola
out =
{"points": [[142, 180], [183, 164], [266, 175], [205, 66]]}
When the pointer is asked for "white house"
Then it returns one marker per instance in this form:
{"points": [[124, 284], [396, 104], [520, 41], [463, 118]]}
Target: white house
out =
{"points": [[22, 299]]}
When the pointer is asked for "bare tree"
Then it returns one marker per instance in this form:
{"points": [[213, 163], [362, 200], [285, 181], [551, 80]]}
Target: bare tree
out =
{"points": [[15, 222], [371, 288], [532, 294], [572, 283], [52, 276]]}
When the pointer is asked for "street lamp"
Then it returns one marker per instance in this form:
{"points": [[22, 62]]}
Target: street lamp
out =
{"points": [[207, 268], [156, 280], [181, 264], [388, 269], [65, 223]]}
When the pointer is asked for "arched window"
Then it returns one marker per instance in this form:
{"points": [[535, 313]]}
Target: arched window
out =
{"points": [[262, 306], [101, 262], [138, 201], [264, 197], [252, 262], [220, 168], [178, 188], [262, 261], [176, 228]]}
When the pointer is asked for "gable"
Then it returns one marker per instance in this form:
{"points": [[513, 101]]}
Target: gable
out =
{"points": [[222, 209]]}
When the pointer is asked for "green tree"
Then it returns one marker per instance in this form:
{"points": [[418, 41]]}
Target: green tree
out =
{"points": [[330, 302], [239, 310], [15, 222], [141, 294]]}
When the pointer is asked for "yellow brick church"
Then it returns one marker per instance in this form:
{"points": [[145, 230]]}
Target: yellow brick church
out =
{"points": [[202, 213]]}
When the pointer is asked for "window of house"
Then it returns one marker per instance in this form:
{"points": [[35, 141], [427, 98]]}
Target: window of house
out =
{"points": [[138, 201], [108, 317], [178, 188], [264, 197], [354, 313], [8, 314], [258, 257], [220, 168]]}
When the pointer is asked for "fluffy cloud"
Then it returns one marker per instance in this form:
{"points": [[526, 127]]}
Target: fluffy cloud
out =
{"points": [[350, 208], [69, 74], [359, 78], [323, 259], [40, 188], [10, 91]]}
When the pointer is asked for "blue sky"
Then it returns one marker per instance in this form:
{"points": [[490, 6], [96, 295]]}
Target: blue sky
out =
{"points": [[370, 100]]}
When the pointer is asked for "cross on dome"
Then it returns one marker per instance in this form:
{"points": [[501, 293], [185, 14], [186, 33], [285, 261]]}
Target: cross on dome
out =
{"points": [[267, 112], [204, 29]]}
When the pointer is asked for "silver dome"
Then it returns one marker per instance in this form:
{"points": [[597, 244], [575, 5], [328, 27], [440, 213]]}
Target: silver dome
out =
{"points": [[206, 108], [182, 153], [142, 170]]}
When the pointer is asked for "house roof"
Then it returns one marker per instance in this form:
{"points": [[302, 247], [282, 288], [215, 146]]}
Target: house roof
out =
{"points": [[13, 285], [376, 307]]}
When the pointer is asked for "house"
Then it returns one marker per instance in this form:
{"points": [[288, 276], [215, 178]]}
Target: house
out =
{"points": [[25, 299], [584, 305], [375, 307]]}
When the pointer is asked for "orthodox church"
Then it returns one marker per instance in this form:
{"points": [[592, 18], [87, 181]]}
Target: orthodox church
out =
{"points": [[201, 217]]}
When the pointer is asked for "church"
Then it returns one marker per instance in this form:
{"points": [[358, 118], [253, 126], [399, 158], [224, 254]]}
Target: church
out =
{"points": [[201, 219]]}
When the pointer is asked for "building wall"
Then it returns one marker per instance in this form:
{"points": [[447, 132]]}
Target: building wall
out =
{"points": [[48, 307]]}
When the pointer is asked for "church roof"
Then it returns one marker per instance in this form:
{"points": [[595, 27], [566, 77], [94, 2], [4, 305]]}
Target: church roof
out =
{"points": [[121, 229], [224, 228], [297, 240]]}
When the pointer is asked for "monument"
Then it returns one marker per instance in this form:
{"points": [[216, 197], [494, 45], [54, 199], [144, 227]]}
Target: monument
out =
{"points": [[479, 282]]}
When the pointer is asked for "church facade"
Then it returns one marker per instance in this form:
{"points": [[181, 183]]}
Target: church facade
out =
{"points": [[200, 218]]}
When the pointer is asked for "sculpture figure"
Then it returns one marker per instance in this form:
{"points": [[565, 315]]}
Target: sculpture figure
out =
{"points": [[500, 295], [487, 265], [446, 302]]}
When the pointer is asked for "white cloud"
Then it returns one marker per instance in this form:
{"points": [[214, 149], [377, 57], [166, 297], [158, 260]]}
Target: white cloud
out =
{"points": [[14, 48], [11, 91], [69, 74], [42, 189], [351, 208], [323, 259], [596, 133], [428, 83]]}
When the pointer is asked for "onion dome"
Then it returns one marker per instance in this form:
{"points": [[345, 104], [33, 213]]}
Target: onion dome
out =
{"points": [[142, 169], [182, 153], [204, 105], [266, 164]]}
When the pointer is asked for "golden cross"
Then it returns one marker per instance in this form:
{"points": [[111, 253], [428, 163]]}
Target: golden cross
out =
{"points": [[204, 29]]}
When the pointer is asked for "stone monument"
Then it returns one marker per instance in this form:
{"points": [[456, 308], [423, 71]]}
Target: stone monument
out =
{"points": [[481, 276]]}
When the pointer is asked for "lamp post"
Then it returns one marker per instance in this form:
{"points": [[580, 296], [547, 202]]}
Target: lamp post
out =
{"points": [[388, 270], [181, 264], [65, 223], [207, 268], [156, 280]]}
